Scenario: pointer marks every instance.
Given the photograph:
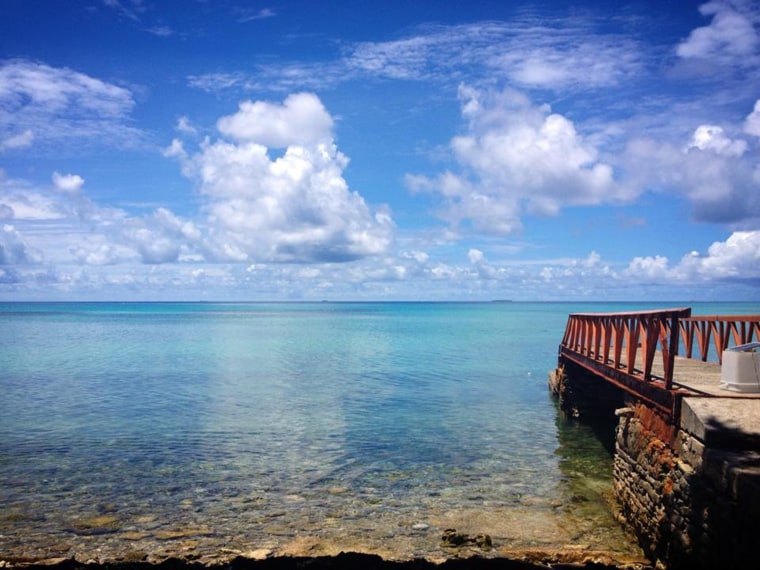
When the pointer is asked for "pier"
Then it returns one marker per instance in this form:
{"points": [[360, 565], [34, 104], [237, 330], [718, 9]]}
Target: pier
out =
{"points": [[687, 449]]}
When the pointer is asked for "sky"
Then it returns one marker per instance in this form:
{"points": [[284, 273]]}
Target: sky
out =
{"points": [[379, 150]]}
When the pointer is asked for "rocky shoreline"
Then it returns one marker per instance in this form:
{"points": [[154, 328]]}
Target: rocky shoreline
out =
{"points": [[267, 560], [457, 550]]}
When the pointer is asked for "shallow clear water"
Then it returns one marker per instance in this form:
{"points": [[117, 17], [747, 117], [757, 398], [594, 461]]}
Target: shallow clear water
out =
{"points": [[244, 426]]}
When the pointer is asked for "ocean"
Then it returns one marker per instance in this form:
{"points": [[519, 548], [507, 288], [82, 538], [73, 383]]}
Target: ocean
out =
{"points": [[196, 428]]}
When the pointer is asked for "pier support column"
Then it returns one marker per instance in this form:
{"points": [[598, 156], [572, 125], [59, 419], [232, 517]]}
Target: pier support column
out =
{"points": [[581, 394]]}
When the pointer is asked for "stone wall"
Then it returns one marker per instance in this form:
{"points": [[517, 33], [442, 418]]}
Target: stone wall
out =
{"points": [[690, 506]]}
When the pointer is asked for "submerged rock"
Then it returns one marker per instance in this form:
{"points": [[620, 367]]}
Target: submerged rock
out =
{"points": [[452, 538], [102, 524]]}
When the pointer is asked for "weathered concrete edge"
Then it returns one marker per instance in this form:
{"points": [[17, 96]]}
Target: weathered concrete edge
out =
{"points": [[727, 423]]}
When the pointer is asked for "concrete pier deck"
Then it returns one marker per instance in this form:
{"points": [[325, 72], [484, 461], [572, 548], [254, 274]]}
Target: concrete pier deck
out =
{"points": [[709, 412]]}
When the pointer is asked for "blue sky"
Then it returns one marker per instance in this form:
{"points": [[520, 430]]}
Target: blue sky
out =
{"points": [[390, 150]]}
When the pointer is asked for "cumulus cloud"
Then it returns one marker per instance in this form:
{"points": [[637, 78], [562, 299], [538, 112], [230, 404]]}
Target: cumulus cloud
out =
{"points": [[40, 103], [20, 201], [62, 223], [717, 173], [161, 236], [648, 268], [300, 120], [712, 138], [737, 258], [96, 252], [296, 207], [110, 237], [517, 158], [730, 37], [69, 183]]}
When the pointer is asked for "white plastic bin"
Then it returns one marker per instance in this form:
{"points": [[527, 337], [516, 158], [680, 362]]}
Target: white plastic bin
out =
{"points": [[740, 371]]}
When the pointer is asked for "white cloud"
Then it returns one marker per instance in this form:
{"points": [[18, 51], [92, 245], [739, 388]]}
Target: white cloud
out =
{"points": [[110, 237], [160, 237], [184, 126], [13, 248], [712, 138], [69, 183], [214, 82], [593, 260], [90, 253], [102, 265], [475, 255], [517, 159], [175, 150], [296, 207], [731, 37], [752, 122], [408, 58], [131, 9], [20, 201], [562, 60], [282, 77], [21, 140], [64, 225], [161, 31], [737, 258], [562, 54], [420, 257], [47, 105], [716, 173], [300, 120], [249, 15], [648, 268]]}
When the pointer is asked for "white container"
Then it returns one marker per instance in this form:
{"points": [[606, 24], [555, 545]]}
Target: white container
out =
{"points": [[740, 371]]}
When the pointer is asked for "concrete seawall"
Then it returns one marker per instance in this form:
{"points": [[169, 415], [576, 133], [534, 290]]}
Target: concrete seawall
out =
{"points": [[689, 489]]}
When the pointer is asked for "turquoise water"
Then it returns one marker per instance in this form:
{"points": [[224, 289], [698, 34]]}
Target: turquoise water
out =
{"points": [[195, 426]]}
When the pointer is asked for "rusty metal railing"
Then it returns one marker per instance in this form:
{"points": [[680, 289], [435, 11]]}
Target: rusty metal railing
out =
{"points": [[721, 330], [622, 347], [613, 340]]}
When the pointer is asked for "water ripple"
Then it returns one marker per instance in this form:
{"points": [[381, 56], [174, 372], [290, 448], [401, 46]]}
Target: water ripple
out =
{"points": [[273, 421]]}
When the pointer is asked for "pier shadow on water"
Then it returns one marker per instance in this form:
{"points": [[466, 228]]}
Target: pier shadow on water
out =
{"points": [[585, 452]]}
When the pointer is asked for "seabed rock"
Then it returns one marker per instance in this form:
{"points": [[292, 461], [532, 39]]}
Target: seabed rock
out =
{"points": [[452, 538]]}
